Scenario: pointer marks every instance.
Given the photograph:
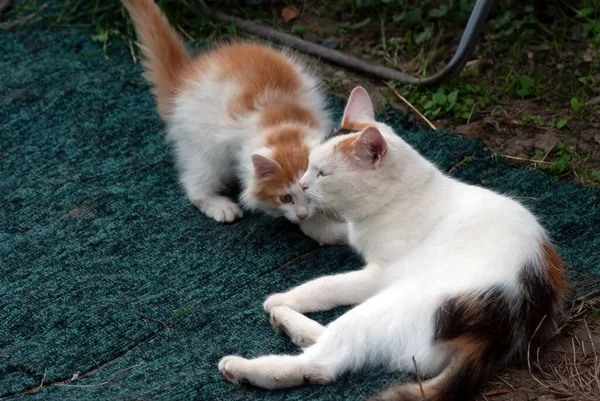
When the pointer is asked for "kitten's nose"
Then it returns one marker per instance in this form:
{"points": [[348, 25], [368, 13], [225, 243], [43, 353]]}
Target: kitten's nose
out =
{"points": [[303, 185], [302, 213]]}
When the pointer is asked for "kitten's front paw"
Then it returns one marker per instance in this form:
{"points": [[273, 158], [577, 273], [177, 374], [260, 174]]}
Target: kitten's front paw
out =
{"points": [[231, 367], [278, 300], [220, 208]]}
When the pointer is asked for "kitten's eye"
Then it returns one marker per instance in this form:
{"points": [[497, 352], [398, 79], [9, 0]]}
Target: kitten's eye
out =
{"points": [[321, 174], [287, 198]]}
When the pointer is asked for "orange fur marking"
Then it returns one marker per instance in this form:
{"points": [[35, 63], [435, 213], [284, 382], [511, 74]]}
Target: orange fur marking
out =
{"points": [[165, 55], [469, 347], [264, 75], [287, 112], [555, 269], [347, 146], [289, 150]]}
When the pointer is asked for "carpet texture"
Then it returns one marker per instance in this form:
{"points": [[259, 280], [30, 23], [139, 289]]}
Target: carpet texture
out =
{"points": [[109, 273]]}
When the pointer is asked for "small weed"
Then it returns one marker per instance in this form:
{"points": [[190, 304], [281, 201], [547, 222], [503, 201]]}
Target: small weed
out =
{"points": [[180, 313], [454, 98], [564, 161], [538, 121]]}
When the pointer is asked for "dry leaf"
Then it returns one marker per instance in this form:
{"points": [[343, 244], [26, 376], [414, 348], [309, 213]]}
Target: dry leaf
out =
{"points": [[289, 13], [497, 391]]}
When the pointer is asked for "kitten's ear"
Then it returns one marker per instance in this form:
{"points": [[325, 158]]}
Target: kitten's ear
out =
{"points": [[359, 108], [371, 148], [263, 166]]}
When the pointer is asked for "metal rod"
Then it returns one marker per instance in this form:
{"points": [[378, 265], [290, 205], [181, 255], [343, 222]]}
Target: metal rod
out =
{"points": [[465, 48]]}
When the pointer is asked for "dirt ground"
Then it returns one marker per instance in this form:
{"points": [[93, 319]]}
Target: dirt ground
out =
{"points": [[522, 128]]}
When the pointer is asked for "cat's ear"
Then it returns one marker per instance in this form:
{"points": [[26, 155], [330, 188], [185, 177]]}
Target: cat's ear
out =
{"points": [[358, 109], [263, 166], [371, 148]]}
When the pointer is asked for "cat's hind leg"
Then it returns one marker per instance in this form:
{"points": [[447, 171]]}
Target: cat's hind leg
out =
{"points": [[302, 330]]}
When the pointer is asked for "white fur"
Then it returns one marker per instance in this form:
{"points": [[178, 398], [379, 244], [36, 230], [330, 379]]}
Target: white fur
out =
{"points": [[214, 150], [424, 237]]}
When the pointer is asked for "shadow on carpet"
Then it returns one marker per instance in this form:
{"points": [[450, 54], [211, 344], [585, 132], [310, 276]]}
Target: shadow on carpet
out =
{"points": [[109, 274]]}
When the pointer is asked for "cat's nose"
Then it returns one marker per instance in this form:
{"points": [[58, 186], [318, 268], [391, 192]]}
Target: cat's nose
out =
{"points": [[302, 213]]}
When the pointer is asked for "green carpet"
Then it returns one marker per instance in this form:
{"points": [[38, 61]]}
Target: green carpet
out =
{"points": [[108, 271]]}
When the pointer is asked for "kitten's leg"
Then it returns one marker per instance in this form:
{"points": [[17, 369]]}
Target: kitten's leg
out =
{"points": [[327, 292], [301, 330], [325, 231], [202, 181]]}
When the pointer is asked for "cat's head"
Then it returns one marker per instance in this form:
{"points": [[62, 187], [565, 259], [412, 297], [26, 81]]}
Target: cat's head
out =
{"points": [[274, 186], [351, 168]]}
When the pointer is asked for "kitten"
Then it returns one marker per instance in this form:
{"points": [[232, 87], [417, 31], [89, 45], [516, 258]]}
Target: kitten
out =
{"points": [[457, 277], [239, 112]]}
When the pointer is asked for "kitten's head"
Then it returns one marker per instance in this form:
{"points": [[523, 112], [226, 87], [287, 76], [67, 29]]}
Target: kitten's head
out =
{"points": [[277, 168], [349, 170]]}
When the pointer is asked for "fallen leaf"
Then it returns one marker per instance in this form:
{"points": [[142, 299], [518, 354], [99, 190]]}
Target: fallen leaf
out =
{"points": [[289, 14], [497, 391]]}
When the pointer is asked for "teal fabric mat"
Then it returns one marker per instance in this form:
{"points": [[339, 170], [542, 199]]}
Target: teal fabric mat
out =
{"points": [[109, 273]]}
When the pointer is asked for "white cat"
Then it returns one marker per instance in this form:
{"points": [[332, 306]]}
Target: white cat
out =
{"points": [[457, 277], [241, 111]]}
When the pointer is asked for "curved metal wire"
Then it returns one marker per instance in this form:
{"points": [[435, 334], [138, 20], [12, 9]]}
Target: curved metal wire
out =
{"points": [[463, 53]]}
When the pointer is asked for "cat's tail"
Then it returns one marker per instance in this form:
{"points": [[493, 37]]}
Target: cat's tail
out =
{"points": [[485, 328], [457, 382], [165, 55]]}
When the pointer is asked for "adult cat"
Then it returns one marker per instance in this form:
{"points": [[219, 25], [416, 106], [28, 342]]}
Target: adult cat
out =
{"points": [[457, 278], [240, 111]]}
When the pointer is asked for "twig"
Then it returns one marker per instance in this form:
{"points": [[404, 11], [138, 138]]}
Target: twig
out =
{"points": [[524, 160], [187, 35], [418, 378], [529, 351], [505, 382], [104, 383], [132, 52], [41, 386], [527, 197], [151, 318], [596, 364], [471, 113], [24, 19], [410, 105]]}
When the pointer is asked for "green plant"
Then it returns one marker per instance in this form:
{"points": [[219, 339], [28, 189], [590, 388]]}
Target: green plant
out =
{"points": [[180, 313], [564, 161], [454, 98]]}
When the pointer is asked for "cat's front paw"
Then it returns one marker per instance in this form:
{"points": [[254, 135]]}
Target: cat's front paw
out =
{"points": [[281, 299], [231, 367], [220, 208]]}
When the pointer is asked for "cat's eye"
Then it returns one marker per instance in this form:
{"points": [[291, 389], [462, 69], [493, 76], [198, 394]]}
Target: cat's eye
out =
{"points": [[286, 198], [321, 174]]}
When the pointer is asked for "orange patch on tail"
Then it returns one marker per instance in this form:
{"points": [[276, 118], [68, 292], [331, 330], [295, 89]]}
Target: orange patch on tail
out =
{"points": [[165, 55], [555, 269], [287, 149]]}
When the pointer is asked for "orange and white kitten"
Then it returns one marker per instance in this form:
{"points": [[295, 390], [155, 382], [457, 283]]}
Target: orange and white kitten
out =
{"points": [[238, 112]]}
